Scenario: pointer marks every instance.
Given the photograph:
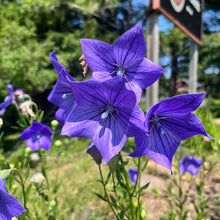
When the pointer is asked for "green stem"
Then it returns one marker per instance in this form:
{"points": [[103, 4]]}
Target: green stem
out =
{"points": [[106, 194], [125, 174], [22, 183]]}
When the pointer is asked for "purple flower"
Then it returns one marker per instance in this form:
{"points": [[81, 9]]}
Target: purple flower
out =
{"points": [[9, 206], [167, 124], [107, 113], [133, 174], [38, 135], [125, 59], [190, 164], [10, 98], [61, 95], [95, 154]]}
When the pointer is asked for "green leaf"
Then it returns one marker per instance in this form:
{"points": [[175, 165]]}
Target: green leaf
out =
{"points": [[113, 201], [143, 188], [144, 166], [108, 178], [100, 196], [56, 188]]}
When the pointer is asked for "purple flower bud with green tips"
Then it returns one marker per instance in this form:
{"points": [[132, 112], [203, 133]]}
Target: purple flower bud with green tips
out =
{"points": [[190, 164], [37, 136]]}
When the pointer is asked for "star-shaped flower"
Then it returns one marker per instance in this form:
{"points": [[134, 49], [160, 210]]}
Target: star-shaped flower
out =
{"points": [[133, 174], [37, 136], [107, 113], [190, 164], [61, 95], [167, 124], [125, 59], [9, 206], [13, 95]]}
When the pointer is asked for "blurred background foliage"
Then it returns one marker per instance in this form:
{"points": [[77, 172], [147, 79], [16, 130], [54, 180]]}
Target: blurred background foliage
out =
{"points": [[31, 29]]}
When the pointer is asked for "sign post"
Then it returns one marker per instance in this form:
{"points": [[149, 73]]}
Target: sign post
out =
{"points": [[153, 55]]}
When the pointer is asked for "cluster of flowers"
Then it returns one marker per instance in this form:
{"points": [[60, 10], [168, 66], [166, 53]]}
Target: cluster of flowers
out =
{"points": [[105, 108]]}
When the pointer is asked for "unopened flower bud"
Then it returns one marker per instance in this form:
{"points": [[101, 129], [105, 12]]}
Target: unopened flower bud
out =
{"points": [[95, 154], [37, 179], [54, 123], [58, 143], [5, 173], [53, 203], [27, 150], [1, 122]]}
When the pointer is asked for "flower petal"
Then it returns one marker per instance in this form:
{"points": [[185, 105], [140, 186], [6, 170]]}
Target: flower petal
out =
{"points": [[109, 139], [8, 100], [129, 47], [33, 143], [82, 122], [144, 72], [184, 126], [98, 55], [177, 105], [45, 142], [159, 147], [27, 133], [9, 206]]}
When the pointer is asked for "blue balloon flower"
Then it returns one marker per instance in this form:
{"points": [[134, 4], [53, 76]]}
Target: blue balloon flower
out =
{"points": [[190, 164], [133, 174], [37, 136]]}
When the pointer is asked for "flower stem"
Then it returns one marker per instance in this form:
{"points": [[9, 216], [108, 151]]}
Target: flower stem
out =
{"points": [[106, 194], [128, 188]]}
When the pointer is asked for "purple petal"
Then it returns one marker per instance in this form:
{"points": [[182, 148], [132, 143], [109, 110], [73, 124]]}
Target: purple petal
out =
{"points": [[159, 147], [33, 143], [46, 131], [58, 91], [27, 133], [129, 47], [9, 206], [82, 122], [45, 142], [190, 164], [98, 55], [181, 104], [101, 76], [109, 139], [184, 126], [144, 72], [132, 120], [133, 174], [8, 101]]}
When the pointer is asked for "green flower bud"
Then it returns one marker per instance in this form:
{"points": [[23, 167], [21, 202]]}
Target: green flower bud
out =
{"points": [[53, 204], [54, 123], [58, 143], [1, 122], [5, 173], [27, 150], [37, 179]]}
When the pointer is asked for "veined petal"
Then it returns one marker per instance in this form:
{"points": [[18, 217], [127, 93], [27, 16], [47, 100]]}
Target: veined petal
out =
{"points": [[109, 139], [143, 72], [131, 120], [98, 55], [159, 147], [184, 126], [56, 95], [82, 122], [46, 131], [9, 206], [33, 143], [132, 86], [129, 47], [180, 104]]}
